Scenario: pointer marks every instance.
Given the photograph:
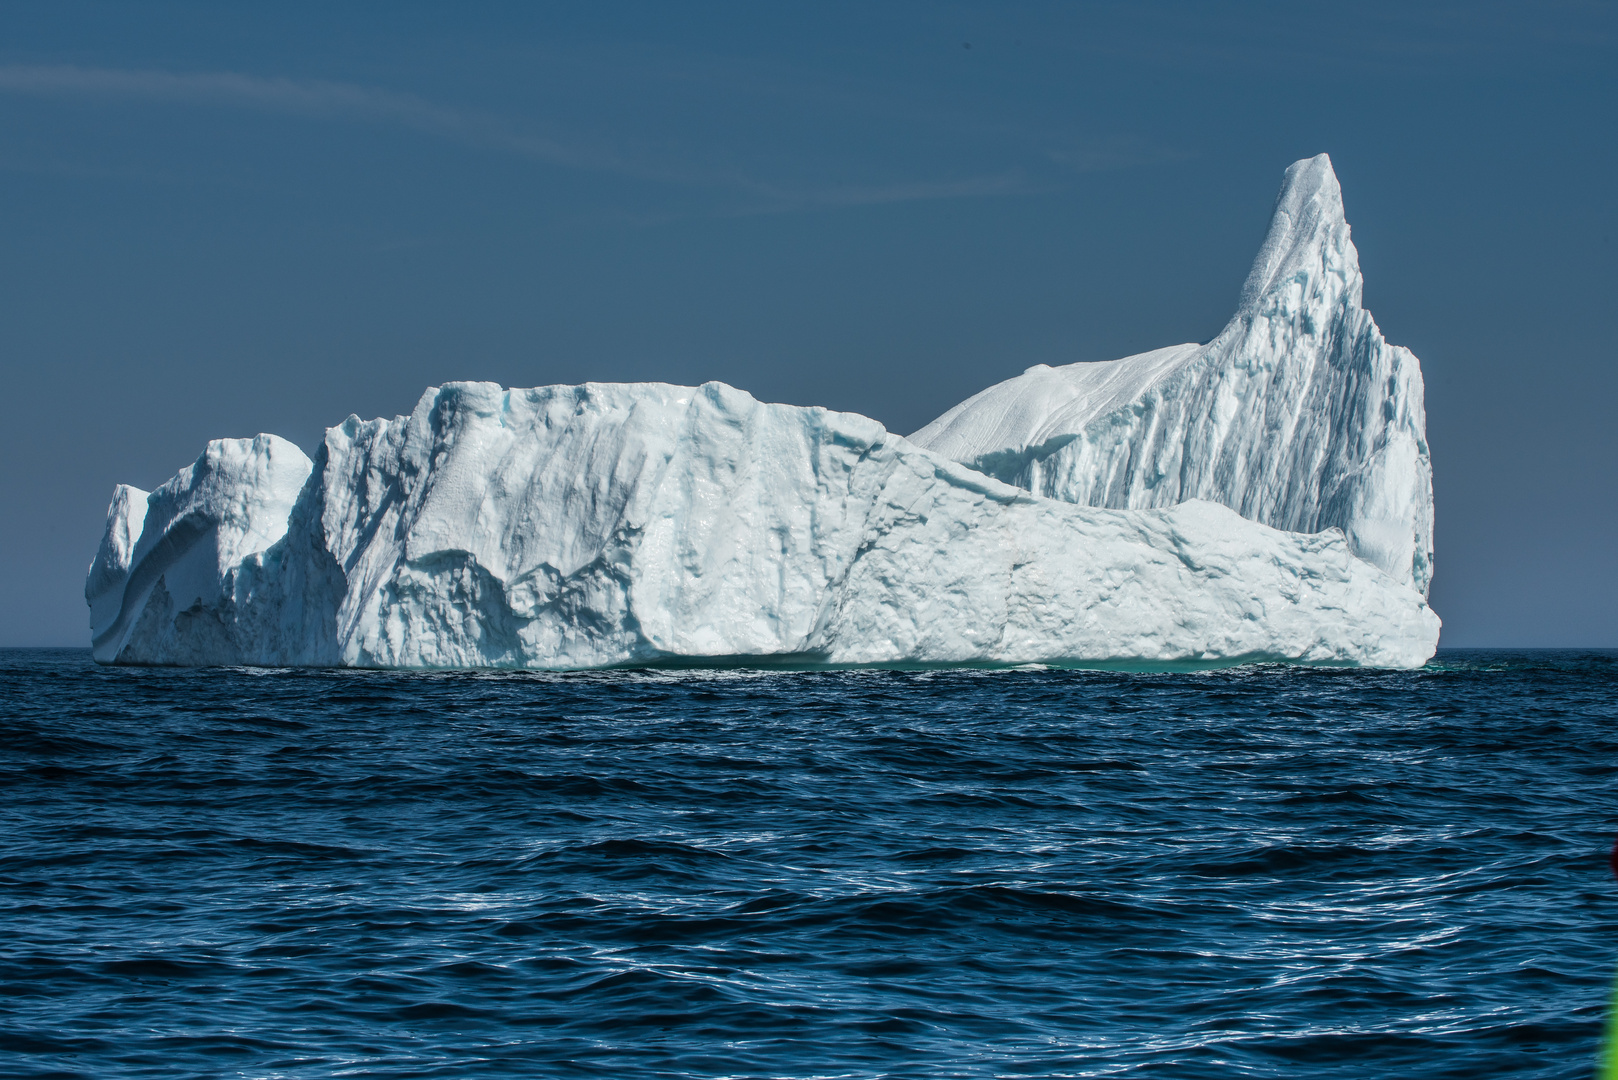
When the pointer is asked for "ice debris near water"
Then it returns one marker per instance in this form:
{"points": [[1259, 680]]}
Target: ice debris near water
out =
{"points": [[611, 524]]}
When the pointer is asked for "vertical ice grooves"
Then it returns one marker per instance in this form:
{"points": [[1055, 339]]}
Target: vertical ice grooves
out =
{"points": [[1297, 415]]}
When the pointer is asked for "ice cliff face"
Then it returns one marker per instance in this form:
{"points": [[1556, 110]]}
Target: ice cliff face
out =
{"points": [[586, 526], [1298, 415]]}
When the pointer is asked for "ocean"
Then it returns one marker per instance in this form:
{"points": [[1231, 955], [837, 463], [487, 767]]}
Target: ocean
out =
{"points": [[1259, 872]]}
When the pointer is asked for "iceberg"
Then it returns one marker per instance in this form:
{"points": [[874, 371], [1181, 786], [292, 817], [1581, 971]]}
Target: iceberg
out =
{"points": [[1298, 414], [601, 525]]}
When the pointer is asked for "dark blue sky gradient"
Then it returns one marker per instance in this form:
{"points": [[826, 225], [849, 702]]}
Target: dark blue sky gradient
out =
{"points": [[221, 220]]}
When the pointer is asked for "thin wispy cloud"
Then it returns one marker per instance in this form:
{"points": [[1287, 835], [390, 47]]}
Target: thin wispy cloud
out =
{"points": [[1114, 154], [1008, 183], [806, 89], [355, 103], [310, 97]]}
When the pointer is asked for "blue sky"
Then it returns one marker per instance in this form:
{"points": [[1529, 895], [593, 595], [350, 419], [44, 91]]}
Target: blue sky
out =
{"points": [[224, 219]]}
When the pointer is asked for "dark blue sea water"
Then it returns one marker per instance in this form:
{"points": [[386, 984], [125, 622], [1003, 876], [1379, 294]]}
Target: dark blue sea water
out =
{"points": [[1265, 872]]}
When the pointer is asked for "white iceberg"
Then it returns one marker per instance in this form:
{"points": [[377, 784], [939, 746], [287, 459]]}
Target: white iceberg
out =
{"points": [[627, 524]]}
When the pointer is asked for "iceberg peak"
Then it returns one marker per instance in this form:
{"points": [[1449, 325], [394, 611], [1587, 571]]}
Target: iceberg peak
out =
{"points": [[1298, 414], [1308, 233]]}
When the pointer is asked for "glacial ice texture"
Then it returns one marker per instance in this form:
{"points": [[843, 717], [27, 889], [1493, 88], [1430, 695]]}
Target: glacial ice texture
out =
{"points": [[1298, 415], [611, 524]]}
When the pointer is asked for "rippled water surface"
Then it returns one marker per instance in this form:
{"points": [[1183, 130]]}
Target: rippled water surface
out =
{"points": [[1266, 872]]}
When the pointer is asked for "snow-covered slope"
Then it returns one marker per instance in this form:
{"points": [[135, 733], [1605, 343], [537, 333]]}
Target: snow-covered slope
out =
{"points": [[610, 524], [1298, 415]]}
